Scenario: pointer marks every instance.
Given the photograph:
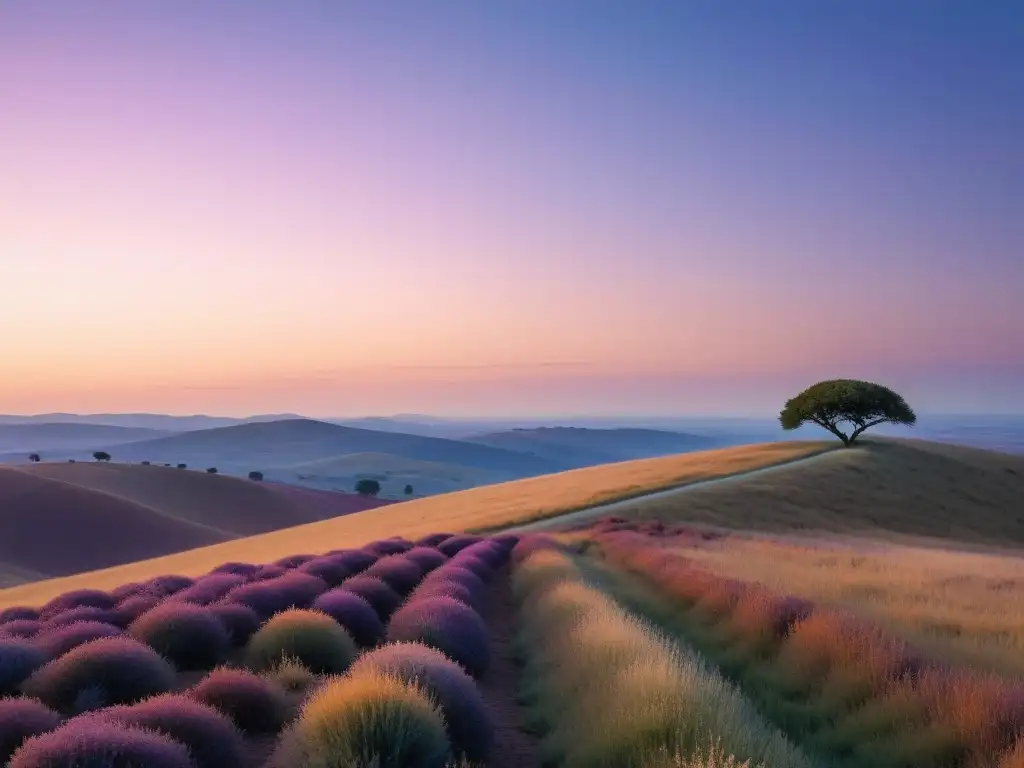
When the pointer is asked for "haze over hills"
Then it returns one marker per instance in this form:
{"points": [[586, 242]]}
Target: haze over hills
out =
{"points": [[581, 447], [68, 436]]}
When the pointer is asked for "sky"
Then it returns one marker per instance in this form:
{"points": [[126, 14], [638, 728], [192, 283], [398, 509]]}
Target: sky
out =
{"points": [[467, 208]]}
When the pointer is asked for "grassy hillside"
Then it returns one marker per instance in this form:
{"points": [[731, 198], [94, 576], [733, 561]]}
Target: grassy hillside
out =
{"points": [[883, 487], [58, 519], [581, 447], [257, 446], [477, 508]]}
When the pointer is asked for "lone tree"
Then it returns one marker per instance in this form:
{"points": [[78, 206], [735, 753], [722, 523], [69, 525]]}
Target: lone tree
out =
{"points": [[860, 404], [183, 466], [254, 475], [367, 487], [211, 470], [408, 490], [101, 456], [35, 458]]}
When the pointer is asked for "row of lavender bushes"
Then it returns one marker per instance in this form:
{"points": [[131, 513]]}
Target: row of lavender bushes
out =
{"points": [[860, 695], [91, 666]]}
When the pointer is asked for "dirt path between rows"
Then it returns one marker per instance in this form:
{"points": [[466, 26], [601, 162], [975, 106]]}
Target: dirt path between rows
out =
{"points": [[513, 746]]}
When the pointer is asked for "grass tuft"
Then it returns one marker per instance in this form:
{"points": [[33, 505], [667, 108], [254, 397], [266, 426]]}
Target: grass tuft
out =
{"points": [[312, 638], [367, 720]]}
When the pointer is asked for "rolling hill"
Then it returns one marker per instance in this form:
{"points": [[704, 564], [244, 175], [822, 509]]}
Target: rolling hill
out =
{"points": [[393, 472], [279, 444], [58, 519], [21, 439], [582, 447], [487, 507]]}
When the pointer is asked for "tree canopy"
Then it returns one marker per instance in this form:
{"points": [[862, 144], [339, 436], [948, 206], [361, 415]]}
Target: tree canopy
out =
{"points": [[367, 487], [34, 458], [101, 456], [861, 404]]}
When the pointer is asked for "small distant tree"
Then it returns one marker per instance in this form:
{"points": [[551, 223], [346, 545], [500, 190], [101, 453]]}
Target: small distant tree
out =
{"points": [[35, 458], [211, 471], [71, 461], [367, 487], [861, 404], [183, 466], [408, 490], [145, 463], [254, 475], [101, 456]]}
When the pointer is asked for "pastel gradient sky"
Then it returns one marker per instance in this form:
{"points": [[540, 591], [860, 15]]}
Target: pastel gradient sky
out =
{"points": [[344, 208]]}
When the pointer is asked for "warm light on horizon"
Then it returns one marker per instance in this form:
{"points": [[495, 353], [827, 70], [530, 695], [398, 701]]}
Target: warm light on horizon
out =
{"points": [[350, 211]]}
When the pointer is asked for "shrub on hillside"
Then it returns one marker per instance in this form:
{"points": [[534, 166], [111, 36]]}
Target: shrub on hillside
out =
{"points": [[506, 540], [376, 592], [83, 613], [354, 613], [448, 588], [182, 466], [447, 625], [473, 563], [455, 574], [76, 599], [371, 719], [168, 584], [211, 470], [533, 542], [332, 570], [456, 544], [189, 636], [20, 628], [20, 719], [240, 621], [355, 560], [256, 475], [291, 590], [94, 743], [18, 660], [267, 572], [241, 569], [468, 719], [393, 546], [210, 588], [293, 561], [129, 609], [310, 637], [254, 704], [113, 670], [433, 539], [123, 591], [397, 572], [16, 612], [212, 739], [427, 558], [56, 641]]}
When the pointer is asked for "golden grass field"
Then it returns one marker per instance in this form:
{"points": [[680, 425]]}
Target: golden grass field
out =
{"points": [[487, 507], [888, 489], [965, 606]]}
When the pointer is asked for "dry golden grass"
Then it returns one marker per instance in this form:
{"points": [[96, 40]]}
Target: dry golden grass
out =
{"points": [[967, 606], [478, 508], [891, 489], [612, 691]]}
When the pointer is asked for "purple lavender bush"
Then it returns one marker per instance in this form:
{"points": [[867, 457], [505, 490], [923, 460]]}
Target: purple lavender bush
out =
{"points": [[189, 636], [56, 641], [212, 738], [377, 593], [447, 625], [94, 743], [354, 613], [21, 719], [111, 670], [253, 703]]}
